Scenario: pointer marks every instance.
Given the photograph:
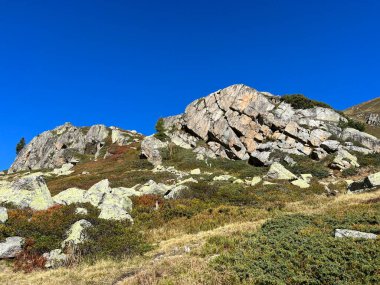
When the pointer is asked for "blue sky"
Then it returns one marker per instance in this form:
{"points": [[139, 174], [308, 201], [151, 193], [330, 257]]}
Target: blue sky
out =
{"points": [[127, 63]]}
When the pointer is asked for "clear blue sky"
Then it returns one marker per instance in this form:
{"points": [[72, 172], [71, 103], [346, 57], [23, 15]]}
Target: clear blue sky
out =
{"points": [[127, 63]]}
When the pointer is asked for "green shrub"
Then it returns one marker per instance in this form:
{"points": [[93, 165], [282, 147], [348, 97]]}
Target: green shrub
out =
{"points": [[300, 250], [160, 128], [305, 165], [350, 172], [352, 124], [298, 101], [114, 239]]}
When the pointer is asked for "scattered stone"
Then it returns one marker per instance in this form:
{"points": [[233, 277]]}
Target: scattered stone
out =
{"points": [[110, 212], [188, 180], [307, 177], [55, 258], [238, 181], [77, 233], [70, 196], [3, 215], [256, 180], [319, 154], [81, 211], [152, 187], [224, 177], [95, 194], [290, 161], [343, 233], [344, 160], [176, 192], [277, 171], [300, 183], [11, 247], [196, 171], [64, 170], [267, 183], [373, 180]]}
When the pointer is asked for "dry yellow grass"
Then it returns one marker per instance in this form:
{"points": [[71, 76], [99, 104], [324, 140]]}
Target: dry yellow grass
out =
{"points": [[169, 263]]}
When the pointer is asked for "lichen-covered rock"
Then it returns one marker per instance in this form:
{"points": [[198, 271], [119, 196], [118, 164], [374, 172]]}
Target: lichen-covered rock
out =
{"points": [[65, 169], [28, 191], [111, 212], [224, 177], [3, 215], [55, 258], [11, 247], [96, 193], [77, 233], [176, 192], [255, 180], [277, 171], [70, 196], [343, 233], [150, 149], [115, 200], [151, 187]]}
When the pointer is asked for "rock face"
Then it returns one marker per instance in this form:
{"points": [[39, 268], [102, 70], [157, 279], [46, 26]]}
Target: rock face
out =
{"points": [[11, 247], [29, 191], [66, 144], [239, 122], [342, 233]]}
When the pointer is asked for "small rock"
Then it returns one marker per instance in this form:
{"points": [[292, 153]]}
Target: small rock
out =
{"points": [[330, 145], [238, 181], [196, 171], [11, 247], [55, 258], [3, 215], [267, 183], [224, 177], [301, 183], [343, 233], [290, 161], [81, 211], [307, 177], [277, 171], [256, 180]]}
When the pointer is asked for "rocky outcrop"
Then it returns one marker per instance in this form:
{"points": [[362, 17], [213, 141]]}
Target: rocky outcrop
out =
{"points": [[239, 122], [66, 144], [27, 192], [11, 247]]}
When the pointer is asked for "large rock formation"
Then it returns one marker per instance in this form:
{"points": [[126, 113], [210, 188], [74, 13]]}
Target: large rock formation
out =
{"points": [[240, 122], [68, 143]]}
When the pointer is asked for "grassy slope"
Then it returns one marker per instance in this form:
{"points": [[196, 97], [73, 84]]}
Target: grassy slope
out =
{"points": [[211, 218], [358, 112]]}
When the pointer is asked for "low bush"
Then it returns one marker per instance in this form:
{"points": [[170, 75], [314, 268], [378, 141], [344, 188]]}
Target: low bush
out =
{"points": [[299, 101], [360, 126], [160, 128], [301, 249]]}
